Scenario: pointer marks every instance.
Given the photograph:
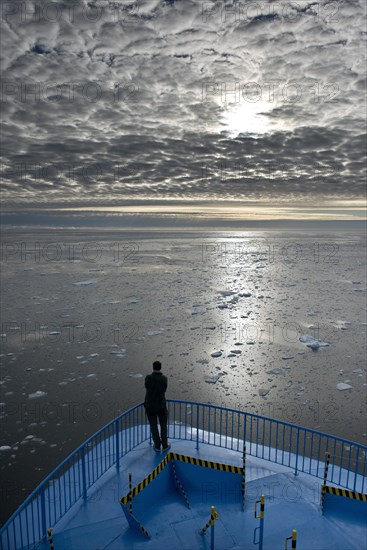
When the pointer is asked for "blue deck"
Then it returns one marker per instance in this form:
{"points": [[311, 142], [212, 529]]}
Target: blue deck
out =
{"points": [[80, 500], [291, 502]]}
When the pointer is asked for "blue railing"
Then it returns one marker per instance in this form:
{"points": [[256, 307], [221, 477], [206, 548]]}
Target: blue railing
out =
{"points": [[296, 447]]}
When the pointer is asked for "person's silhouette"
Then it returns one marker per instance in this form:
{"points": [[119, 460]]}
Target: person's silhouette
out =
{"points": [[156, 407]]}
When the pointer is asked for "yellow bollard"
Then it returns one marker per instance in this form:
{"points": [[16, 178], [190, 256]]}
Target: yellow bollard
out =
{"points": [[294, 540]]}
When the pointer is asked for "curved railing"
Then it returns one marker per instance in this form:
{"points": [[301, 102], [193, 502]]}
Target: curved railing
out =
{"points": [[299, 448]]}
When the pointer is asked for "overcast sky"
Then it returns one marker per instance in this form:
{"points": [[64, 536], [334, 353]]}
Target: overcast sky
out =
{"points": [[107, 102]]}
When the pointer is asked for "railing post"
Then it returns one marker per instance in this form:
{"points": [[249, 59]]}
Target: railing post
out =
{"points": [[84, 477], [197, 426], [43, 511], [243, 481], [117, 434], [297, 450]]}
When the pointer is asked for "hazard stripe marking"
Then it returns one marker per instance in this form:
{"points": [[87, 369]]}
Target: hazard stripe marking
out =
{"points": [[182, 458], [344, 493]]}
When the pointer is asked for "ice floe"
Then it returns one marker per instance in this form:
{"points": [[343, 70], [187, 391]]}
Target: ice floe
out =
{"points": [[343, 386], [312, 342], [212, 379], [85, 283], [37, 394]]}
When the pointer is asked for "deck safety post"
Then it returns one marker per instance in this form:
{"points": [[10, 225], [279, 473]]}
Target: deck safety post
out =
{"points": [[84, 478], [50, 540], [130, 494], [294, 540], [117, 434], [211, 522], [327, 456], [243, 475], [261, 517]]}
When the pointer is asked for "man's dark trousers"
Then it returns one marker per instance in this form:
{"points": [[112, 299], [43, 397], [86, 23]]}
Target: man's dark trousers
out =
{"points": [[153, 421]]}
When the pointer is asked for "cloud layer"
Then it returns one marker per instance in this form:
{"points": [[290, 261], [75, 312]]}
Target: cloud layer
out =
{"points": [[106, 101]]}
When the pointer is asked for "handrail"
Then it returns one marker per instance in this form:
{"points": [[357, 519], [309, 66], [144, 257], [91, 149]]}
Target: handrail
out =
{"points": [[114, 440], [65, 461], [268, 418]]}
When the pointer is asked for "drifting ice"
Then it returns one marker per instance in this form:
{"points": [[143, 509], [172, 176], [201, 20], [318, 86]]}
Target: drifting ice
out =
{"points": [[343, 386], [37, 394], [311, 342]]}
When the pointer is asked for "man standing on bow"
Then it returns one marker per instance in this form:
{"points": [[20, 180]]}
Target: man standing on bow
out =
{"points": [[155, 406]]}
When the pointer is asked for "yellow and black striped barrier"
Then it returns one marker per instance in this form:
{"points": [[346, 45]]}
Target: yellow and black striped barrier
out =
{"points": [[261, 517], [50, 539], [127, 500], [346, 493], [293, 537], [182, 458], [327, 462], [132, 493], [206, 463], [134, 522], [179, 484]]}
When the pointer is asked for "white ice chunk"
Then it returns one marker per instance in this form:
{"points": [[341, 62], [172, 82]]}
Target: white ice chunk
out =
{"points": [[37, 394], [311, 342], [85, 283], [343, 386], [212, 379]]}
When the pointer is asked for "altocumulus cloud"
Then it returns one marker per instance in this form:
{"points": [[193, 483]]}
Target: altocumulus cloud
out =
{"points": [[105, 102]]}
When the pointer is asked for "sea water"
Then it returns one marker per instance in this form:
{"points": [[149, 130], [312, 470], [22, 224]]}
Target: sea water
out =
{"points": [[269, 322]]}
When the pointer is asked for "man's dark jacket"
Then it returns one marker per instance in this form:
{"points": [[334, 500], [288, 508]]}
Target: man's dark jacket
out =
{"points": [[156, 385]]}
